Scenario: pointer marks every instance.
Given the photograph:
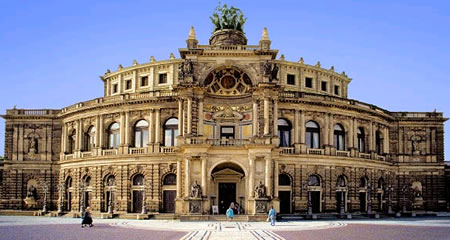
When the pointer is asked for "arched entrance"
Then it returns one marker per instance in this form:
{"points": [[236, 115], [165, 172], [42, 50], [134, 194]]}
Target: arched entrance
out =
{"points": [[109, 193], [315, 191], [69, 191], [363, 181], [229, 186], [137, 189], [285, 193], [169, 193]]}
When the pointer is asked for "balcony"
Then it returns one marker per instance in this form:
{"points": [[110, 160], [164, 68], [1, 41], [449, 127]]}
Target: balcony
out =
{"points": [[227, 142], [87, 154], [287, 150], [314, 151], [109, 152], [137, 151], [364, 155], [169, 149], [342, 153]]}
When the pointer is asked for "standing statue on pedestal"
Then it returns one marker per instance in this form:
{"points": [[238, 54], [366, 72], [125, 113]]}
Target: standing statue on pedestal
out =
{"points": [[32, 149], [186, 69], [260, 190], [32, 192], [196, 190], [270, 70]]}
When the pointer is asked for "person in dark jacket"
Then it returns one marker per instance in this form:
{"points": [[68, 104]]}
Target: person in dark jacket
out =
{"points": [[87, 218]]}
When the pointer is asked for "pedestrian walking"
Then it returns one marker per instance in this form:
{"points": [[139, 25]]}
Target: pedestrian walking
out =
{"points": [[86, 219], [272, 216], [230, 214]]}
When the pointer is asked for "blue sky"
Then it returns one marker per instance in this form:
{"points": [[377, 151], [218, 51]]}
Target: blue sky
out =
{"points": [[397, 52]]}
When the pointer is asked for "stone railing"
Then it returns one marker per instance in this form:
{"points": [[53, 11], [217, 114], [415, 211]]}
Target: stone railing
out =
{"points": [[169, 149], [195, 140], [227, 142], [229, 47], [382, 158], [69, 156], [32, 112], [109, 152], [342, 153], [364, 155], [87, 154], [315, 151], [287, 150], [137, 151]]}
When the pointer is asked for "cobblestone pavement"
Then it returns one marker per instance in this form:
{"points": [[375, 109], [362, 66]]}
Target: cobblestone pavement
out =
{"points": [[31, 228]]}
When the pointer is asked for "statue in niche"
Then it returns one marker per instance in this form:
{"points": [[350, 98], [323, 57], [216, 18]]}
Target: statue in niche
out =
{"points": [[196, 190], [415, 141], [417, 193], [260, 190], [185, 69], [267, 68], [32, 192], [32, 145]]}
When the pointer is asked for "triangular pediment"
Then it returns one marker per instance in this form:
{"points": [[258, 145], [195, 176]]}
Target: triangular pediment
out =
{"points": [[227, 174]]}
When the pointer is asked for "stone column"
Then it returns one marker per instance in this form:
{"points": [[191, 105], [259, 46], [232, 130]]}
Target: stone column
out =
{"points": [[275, 180], [350, 135], [127, 129], [157, 127], [151, 133], [187, 177], [386, 140], [267, 176], [203, 183], [200, 117], [296, 127], [180, 117], [266, 116], [79, 135], [371, 137], [189, 115], [355, 133], [122, 128], [251, 177], [64, 138], [275, 117], [255, 117], [101, 132], [331, 131], [326, 128], [178, 178], [302, 127]]}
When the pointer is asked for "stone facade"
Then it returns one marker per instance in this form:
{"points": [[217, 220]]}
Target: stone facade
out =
{"points": [[229, 118]]}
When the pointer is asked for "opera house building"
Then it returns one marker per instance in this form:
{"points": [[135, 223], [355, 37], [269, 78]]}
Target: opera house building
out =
{"points": [[225, 124]]}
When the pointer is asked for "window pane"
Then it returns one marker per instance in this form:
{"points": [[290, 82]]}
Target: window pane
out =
{"points": [[111, 140], [175, 134], [144, 138], [168, 137], [308, 139], [137, 139], [316, 140]]}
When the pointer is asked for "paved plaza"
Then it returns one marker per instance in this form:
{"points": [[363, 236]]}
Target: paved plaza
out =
{"points": [[31, 228]]}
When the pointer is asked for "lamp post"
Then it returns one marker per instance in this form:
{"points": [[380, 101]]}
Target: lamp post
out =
{"points": [[404, 190], [342, 208], [309, 204], [45, 188], [389, 192], [369, 199], [82, 188], [61, 190]]}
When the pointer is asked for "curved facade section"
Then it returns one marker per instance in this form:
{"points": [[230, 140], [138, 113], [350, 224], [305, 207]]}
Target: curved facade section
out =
{"points": [[224, 124]]}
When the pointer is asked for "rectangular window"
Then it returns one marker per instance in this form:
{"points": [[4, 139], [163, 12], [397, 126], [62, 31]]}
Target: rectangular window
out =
{"points": [[162, 78], [324, 86], [336, 89], [127, 84], [144, 81], [227, 132], [114, 88], [308, 82], [291, 79]]}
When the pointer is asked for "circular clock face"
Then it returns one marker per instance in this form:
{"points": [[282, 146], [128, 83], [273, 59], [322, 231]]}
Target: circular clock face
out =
{"points": [[228, 81]]}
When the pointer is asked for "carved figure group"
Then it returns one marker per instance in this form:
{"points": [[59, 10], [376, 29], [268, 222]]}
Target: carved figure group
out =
{"points": [[271, 70], [260, 190], [196, 190], [228, 18], [185, 69], [32, 192], [32, 145]]}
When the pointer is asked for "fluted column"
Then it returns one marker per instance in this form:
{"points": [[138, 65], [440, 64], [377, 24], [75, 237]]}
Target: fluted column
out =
{"points": [[97, 131], [179, 178], [255, 117], [122, 128], [180, 117], [127, 128], [203, 183], [189, 115], [386, 140], [101, 132], [326, 128], [302, 127], [371, 137], [64, 138], [187, 177], [251, 178], [275, 180], [151, 123], [79, 135], [355, 133], [266, 116], [275, 117], [350, 135], [200, 117], [157, 126], [331, 131], [267, 181]]}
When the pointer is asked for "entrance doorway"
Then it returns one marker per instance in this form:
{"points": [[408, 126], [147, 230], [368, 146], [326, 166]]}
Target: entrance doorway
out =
{"points": [[315, 201], [137, 201], [169, 201], [340, 196], [227, 195], [285, 201], [362, 202]]}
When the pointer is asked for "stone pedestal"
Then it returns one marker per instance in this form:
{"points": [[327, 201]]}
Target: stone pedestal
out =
{"points": [[30, 202], [195, 206], [261, 206], [418, 204]]}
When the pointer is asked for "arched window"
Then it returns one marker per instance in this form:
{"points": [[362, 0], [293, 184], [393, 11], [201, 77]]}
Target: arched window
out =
{"points": [[339, 137], [72, 142], [312, 135], [89, 139], [284, 132], [378, 142], [170, 179], [363, 182], [341, 181], [68, 182], [284, 180], [141, 134], [114, 135], [170, 132], [361, 140], [138, 180], [314, 180], [380, 183]]}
